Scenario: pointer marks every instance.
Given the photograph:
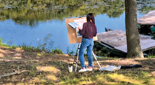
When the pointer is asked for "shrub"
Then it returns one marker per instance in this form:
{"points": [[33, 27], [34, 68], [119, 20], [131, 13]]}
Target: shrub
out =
{"points": [[58, 51]]}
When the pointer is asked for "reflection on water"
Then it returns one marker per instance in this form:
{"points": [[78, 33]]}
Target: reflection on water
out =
{"points": [[29, 21], [31, 12]]}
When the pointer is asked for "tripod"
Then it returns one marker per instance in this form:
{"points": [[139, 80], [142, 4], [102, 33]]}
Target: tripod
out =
{"points": [[77, 57]]}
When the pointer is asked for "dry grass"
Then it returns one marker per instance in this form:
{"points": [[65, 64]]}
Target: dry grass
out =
{"points": [[48, 68]]}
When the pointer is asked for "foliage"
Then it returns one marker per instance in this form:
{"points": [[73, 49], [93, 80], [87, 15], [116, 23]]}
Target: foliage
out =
{"points": [[45, 45], [13, 46], [145, 6], [30, 48], [31, 12], [151, 56], [6, 45], [57, 51], [70, 52]]}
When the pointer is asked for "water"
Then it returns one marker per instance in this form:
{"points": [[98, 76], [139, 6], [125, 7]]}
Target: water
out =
{"points": [[18, 28]]}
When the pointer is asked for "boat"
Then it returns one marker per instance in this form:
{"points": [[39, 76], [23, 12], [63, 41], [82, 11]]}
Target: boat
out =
{"points": [[107, 29]]}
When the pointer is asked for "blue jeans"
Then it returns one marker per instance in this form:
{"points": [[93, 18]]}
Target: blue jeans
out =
{"points": [[86, 43]]}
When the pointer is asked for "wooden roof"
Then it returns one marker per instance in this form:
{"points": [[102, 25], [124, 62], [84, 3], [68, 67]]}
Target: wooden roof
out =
{"points": [[148, 19], [117, 40]]}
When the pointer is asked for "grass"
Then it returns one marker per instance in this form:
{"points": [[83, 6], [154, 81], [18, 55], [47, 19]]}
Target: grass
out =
{"points": [[57, 51], [42, 47], [151, 56], [52, 68]]}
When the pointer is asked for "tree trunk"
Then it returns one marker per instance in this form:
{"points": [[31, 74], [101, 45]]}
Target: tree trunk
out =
{"points": [[133, 41]]}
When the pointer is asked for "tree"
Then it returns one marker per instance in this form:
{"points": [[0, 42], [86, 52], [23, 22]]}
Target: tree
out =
{"points": [[145, 6], [133, 41]]}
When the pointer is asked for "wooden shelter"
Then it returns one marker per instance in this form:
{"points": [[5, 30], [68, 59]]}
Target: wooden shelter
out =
{"points": [[116, 40], [148, 19], [146, 24]]}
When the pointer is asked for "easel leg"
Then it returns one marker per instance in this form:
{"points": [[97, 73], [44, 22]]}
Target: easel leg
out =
{"points": [[96, 59], [76, 64], [77, 54]]}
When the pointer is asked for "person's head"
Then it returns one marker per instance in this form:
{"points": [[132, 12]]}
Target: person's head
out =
{"points": [[90, 17]]}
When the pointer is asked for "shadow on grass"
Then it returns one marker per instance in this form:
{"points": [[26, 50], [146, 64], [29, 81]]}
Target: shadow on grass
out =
{"points": [[41, 68], [148, 64], [53, 69]]}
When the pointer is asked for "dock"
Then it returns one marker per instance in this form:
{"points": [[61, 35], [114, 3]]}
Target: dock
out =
{"points": [[116, 40]]}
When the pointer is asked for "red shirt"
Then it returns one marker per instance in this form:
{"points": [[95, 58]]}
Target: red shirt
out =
{"points": [[89, 30]]}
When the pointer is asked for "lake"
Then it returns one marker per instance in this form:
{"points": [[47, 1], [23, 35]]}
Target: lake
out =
{"points": [[30, 22]]}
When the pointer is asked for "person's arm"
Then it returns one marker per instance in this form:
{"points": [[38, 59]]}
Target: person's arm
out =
{"points": [[82, 32]]}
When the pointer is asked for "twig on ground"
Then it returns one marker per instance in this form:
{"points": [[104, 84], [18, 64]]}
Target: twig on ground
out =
{"points": [[14, 73]]}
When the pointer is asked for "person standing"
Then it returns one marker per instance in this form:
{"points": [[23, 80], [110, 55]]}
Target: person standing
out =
{"points": [[88, 31]]}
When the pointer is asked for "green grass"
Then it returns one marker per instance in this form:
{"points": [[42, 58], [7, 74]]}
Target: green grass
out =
{"points": [[151, 56]]}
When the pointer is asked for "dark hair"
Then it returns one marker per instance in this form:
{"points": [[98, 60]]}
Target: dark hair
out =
{"points": [[90, 16]]}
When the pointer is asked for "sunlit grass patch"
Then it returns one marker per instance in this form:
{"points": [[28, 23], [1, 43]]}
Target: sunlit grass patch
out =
{"points": [[35, 79], [85, 81], [21, 83], [103, 79], [17, 57], [152, 81], [52, 77], [17, 54], [48, 69], [40, 54], [74, 80], [1, 55], [152, 74], [18, 49], [121, 78]]}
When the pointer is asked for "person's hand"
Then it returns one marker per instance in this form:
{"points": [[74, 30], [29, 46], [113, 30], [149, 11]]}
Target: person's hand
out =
{"points": [[79, 28]]}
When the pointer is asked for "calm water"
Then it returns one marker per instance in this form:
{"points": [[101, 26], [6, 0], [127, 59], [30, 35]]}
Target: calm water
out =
{"points": [[29, 23]]}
